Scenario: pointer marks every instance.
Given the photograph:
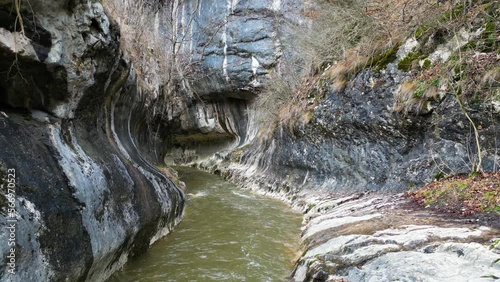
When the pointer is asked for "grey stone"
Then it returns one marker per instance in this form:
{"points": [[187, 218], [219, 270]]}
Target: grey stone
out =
{"points": [[87, 196]]}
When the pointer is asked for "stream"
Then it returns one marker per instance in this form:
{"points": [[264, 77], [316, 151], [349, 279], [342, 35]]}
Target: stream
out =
{"points": [[227, 234]]}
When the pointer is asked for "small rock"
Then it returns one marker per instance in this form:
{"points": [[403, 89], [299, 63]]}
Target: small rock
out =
{"points": [[430, 249]]}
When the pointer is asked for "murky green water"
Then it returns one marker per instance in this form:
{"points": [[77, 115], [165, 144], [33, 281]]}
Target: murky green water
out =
{"points": [[228, 234]]}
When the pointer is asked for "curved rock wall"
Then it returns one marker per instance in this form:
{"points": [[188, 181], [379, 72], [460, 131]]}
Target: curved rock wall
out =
{"points": [[233, 45], [73, 127]]}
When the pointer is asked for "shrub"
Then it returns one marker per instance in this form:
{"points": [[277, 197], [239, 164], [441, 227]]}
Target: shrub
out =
{"points": [[335, 27]]}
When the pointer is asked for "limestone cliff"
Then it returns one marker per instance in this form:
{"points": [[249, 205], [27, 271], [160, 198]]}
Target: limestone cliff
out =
{"points": [[72, 127], [89, 103]]}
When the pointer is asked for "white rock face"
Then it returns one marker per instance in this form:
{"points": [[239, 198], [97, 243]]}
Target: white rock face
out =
{"points": [[369, 238], [17, 43], [407, 47], [451, 262], [337, 222], [443, 52]]}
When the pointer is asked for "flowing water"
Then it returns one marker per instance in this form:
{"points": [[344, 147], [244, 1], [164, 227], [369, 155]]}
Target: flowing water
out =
{"points": [[227, 234]]}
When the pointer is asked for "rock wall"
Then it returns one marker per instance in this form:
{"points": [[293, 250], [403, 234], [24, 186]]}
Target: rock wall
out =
{"points": [[236, 43], [78, 129], [233, 46], [355, 141], [73, 128]]}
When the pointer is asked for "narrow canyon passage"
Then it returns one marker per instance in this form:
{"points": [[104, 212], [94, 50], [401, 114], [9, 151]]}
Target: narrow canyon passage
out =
{"points": [[228, 234]]}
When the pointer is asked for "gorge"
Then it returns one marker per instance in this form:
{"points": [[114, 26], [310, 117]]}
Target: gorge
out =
{"points": [[96, 97]]}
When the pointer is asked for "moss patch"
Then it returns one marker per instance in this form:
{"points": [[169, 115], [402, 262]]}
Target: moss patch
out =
{"points": [[489, 42], [407, 62], [461, 194], [427, 64], [380, 61]]}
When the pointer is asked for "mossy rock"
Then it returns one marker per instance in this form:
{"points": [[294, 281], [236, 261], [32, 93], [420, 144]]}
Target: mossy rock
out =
{"points": [[407, 63], [419, 92], [380, 61], [427, 64]]}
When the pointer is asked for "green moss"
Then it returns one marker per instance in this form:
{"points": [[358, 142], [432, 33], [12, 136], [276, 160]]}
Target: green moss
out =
{"points": [[489, 38], [380, 61], [471, 45], [453, 58], [494, 209], [406, 63], [439, 176], [421, 31], [489, 196], [489, 30], [435, 82], [427, 64], [453, 13], [495, 243]]}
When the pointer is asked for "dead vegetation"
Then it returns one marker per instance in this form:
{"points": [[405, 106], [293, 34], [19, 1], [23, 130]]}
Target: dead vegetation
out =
{"points": [[470, 70], [149, 50], [343, 37], [340, 39], [155, 36]]}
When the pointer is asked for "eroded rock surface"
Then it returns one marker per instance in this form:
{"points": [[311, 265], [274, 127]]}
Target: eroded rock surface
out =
{"points": [[375, 239], [72, 127]]}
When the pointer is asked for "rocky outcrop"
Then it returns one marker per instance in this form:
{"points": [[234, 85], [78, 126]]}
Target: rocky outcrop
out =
{"points": [[73, 129], [241, 47], [356, 141], [227, 49], [367, 237]]}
